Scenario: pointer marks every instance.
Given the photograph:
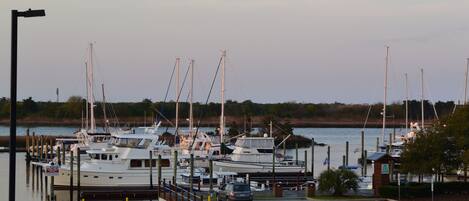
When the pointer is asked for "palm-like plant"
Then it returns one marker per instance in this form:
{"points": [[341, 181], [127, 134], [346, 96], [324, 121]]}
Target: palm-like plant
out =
{"points": [[338, 181]]}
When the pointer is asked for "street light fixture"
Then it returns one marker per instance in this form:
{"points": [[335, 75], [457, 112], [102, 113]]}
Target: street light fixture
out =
{"points": [[14, 50]]}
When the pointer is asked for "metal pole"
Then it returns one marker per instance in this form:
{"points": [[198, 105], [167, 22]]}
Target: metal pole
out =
{"points": [[14, 50], [78, 174]]}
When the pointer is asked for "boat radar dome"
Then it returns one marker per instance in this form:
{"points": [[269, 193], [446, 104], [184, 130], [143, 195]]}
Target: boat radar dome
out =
{"points": [[265, 135]]}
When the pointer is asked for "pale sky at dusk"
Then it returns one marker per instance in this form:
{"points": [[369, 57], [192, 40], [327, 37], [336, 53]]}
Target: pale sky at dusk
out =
{"points": [[278, 50]]}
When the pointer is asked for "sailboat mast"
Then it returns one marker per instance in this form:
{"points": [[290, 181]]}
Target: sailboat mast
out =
{"points": [[177, 98], [222, 116], [465, 83], [87, 97], [422, 98], [406, 104], [92, 120], [191, 114], [385, 94], [106, 126]]}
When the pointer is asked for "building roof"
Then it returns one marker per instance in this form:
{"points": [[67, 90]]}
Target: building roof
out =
{"points": [[377, 155]]}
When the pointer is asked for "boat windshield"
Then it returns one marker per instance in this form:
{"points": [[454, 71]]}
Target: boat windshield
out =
{"points": [[132, 142], [259, 143]]}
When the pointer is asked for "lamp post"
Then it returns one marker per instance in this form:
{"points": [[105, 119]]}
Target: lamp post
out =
{"points": [[14, 49]]}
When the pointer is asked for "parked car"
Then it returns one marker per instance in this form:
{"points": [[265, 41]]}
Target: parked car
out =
{"points": [[235, 192]]}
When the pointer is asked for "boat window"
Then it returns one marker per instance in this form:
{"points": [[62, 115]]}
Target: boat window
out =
{"points": [[135, 163], [146, 143], [110, 157], [165, 163], [119, 177], [103, 156], [265, 150], [128, 142], [116, 156], [94, 156], [95, 177], [111, 177], [147, 163]]}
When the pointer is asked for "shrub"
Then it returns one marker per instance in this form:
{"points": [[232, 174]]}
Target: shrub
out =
{"points": [[338, 181]]}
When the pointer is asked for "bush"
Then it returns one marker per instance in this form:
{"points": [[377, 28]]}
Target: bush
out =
{"points": [[416, 190], [338, 181]]}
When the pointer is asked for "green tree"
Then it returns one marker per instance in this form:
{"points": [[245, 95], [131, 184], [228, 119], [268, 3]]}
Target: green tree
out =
{"points": [[337, 182]]}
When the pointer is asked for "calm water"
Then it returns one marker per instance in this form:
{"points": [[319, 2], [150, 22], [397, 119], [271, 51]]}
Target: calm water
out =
{"points": [[335, 137]]}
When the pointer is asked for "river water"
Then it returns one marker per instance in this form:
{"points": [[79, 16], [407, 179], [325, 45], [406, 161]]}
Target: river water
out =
{"points": [[334, 137]]}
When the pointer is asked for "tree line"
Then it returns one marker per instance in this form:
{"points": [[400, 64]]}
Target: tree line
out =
{"points": [[73, 108]]}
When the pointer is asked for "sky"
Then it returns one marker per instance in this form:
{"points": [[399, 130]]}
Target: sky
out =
{"points": [[318, 51]]}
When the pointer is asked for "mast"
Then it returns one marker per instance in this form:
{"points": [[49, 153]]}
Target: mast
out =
{"points": [[106, 123], [385, 94], [465, 83], [87, 96], [222, 116], [406, 104], [191, 114], [91, 92], [421, 101], [177, 98]]}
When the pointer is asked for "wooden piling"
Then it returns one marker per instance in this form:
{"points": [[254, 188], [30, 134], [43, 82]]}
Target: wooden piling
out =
{"points": [[78, 173], [306, 162], [191, 182], [33, 145], [175, 166], [58, 156], [28, 155], [344, 162], [210, 166], [71, 175], [42, 148], [296, 153], [328, 157], [46, 150], [346, 153], [159, 171], [363, 151], [312, 156], [273, 165], [51, 148], [365, 161], [63, 152], [377, 144], [151, 168]]}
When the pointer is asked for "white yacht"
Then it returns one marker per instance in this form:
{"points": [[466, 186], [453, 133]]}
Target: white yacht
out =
{"points": [[124, 164], [255, 155]]}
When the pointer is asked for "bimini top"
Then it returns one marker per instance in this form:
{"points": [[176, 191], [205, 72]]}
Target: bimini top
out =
{"points": [[255, 142]]}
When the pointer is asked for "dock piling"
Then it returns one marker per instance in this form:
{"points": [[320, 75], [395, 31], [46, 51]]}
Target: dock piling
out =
{"points": [[273, 165], [151, 168], [210, 166], [328, 157], [346, 153], [377, 144], [78, 173], [191, 182], [159, 170], [28, 156], [306, 162], [296, 153], [312, 156], [365, 162], [175, 166], [363, 151], [71, 175]]}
